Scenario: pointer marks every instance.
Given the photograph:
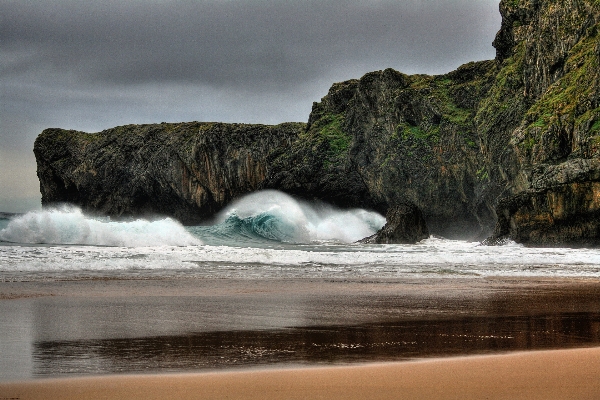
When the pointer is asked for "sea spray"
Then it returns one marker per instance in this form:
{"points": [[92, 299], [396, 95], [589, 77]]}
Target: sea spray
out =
{"points": [[275, 216], [68, 225]]}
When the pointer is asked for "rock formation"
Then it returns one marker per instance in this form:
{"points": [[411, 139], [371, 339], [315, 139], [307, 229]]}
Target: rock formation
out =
{"points": [[561, 207], [188, 171], [546, 159], [511, 142], [389, 139], [404, 225]]}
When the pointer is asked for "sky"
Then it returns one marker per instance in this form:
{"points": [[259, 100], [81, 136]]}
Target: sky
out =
{"points": [[93, 65]]}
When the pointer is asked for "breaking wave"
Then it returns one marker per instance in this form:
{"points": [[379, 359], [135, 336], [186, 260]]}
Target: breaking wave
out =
{"points": [[274, 216], [68, 225]]}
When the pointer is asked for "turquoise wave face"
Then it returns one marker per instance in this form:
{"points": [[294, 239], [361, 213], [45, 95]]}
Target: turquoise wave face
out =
{"points": [[263, 227], [271, 216]]}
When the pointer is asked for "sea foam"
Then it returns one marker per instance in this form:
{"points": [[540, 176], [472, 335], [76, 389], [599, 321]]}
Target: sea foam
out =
{"points": [[68, 225], [276, 216]]}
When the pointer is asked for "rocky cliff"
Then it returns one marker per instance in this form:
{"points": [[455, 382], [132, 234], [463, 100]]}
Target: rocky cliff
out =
{"points": [[512, 140], [546, 157], [391, 138], [188, 171]]}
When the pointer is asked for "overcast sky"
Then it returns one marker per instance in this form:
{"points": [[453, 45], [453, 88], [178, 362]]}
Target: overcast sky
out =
{"points": [[92, 65]]}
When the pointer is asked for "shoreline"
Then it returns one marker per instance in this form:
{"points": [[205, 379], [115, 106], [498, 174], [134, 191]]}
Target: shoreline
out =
{"points": [[546, 374], [94, 327]]}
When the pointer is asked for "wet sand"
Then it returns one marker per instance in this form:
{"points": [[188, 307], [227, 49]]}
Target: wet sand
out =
{"points": [[300, 338], [558, 374]]}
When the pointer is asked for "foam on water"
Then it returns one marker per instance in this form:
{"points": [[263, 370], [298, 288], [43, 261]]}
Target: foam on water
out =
{"points": [[68, 225], [266, 234], [431, 257], [275, 216]]}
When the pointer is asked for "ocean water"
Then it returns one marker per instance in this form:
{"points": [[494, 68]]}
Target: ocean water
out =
{"points": [[272, 281], [265, 234]]}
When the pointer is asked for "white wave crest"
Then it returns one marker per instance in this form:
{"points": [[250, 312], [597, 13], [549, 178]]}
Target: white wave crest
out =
{"points": [[302, 222], [68, 225]]}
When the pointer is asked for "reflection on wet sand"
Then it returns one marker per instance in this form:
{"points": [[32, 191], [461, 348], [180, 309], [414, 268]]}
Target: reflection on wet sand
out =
{"points": [[115, 326], [317, 345]]}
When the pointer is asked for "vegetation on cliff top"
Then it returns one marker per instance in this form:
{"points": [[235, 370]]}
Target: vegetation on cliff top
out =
{"points": [[570, 105]]}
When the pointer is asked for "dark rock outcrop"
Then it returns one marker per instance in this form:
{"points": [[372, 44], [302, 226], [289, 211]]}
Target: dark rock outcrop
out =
{"points": [[404, 225], [512, 142], [562, 207], [545, 157], [391, 138], [188, 171]]}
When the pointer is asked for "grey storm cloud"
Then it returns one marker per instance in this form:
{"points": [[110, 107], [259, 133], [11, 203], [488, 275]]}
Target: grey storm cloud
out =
{"points": [[91, 65], [235, 43]]}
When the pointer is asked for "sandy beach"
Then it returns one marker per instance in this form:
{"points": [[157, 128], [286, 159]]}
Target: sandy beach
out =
{"points": [[301, 339], [558, 374]]}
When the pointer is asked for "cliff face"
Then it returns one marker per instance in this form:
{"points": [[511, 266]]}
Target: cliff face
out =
{"points": [[545, 94], [188, 171], [513, 140], [550, 53], [390, 138]]}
